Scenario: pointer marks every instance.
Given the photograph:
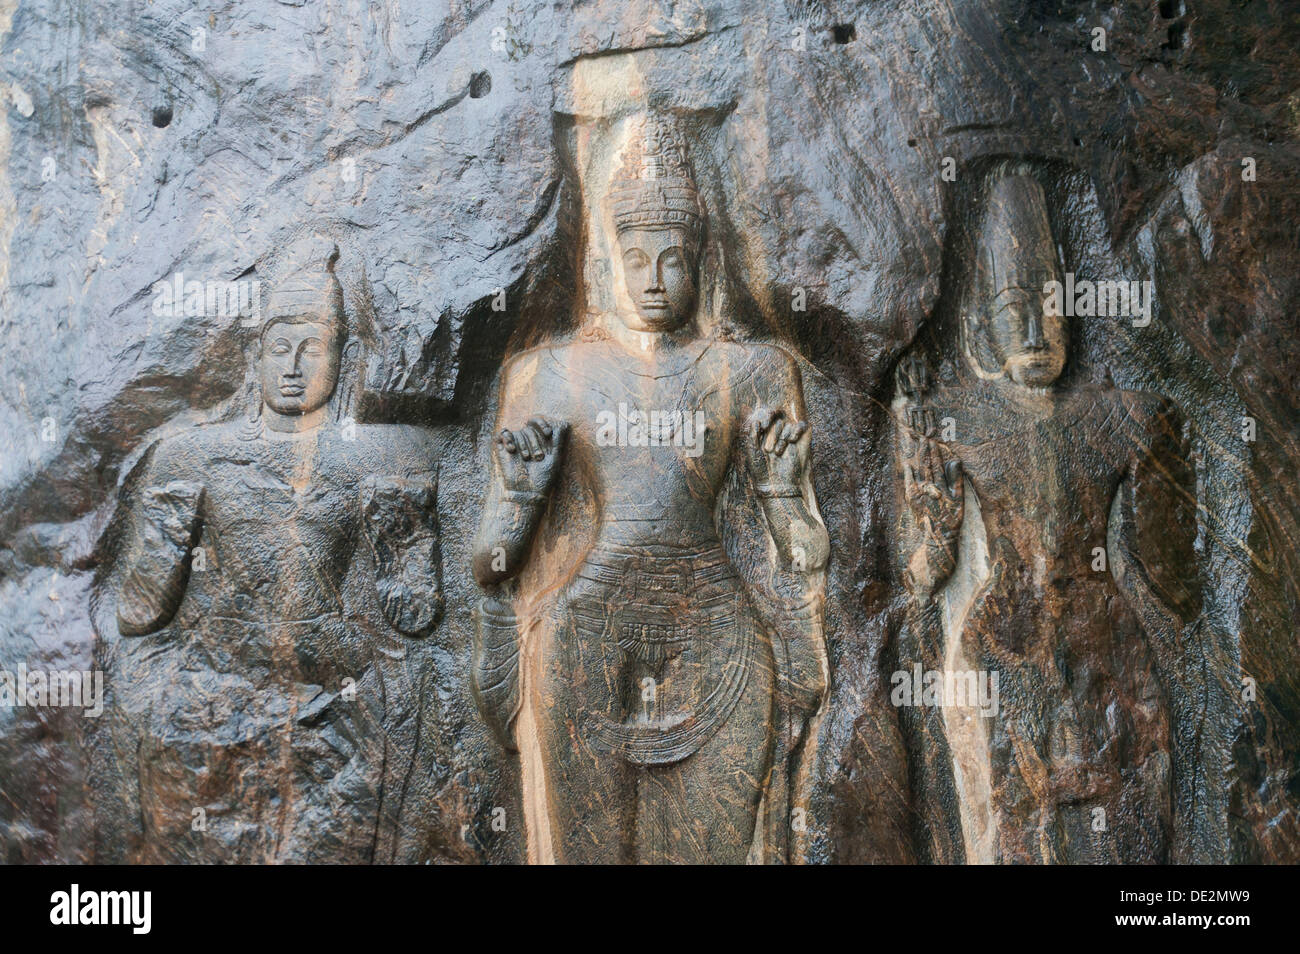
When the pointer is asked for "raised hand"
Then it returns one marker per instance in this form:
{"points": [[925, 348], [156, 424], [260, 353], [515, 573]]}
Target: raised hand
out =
{"points": [[933, 489], [530, 455], [771, 441]]}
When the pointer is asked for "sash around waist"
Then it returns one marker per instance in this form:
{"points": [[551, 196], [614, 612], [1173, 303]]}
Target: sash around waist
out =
{"points": [[645, 571]]}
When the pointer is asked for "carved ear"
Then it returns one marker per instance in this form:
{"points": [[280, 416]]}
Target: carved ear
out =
{"points": [[252, 382], [345, 388]]}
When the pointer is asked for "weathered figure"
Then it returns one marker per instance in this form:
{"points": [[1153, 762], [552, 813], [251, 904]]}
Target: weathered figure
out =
{"points": [[254, 707], [649, 696], [1073, 567]]}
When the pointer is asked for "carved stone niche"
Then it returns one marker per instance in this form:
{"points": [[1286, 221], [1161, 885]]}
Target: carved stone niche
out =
{"points": [[1046, 535], [619, 650], [266, 576]]}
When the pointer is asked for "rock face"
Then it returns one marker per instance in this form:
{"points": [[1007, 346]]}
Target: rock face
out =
{"points": [[458, 158]]}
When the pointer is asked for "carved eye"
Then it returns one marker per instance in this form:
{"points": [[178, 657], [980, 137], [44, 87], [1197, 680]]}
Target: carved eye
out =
{"points": [[635, 258], [313, 348], [672, 258], [281, 346]]}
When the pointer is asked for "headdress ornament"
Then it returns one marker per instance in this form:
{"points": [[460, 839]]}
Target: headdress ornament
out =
{"points": [[311, 289], [654, 187]]}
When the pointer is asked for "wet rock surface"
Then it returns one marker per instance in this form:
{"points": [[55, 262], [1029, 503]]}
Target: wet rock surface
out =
{"points": [[447, 150]]}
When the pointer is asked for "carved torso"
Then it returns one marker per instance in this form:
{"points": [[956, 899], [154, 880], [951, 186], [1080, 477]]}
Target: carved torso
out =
{"points": [[284, 558], [1045, 474], [654, 599], [664, 491], [240, 699], [281, 522], [1082, 708]]}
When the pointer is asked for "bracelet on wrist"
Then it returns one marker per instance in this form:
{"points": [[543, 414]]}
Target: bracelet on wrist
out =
{"points": [[779, 490]]}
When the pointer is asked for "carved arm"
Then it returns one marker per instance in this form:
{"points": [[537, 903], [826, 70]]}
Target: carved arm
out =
{"points": [[400, 523], [933, 490], [527, 463], [1157, 510], [164, 529], [778, 460]]}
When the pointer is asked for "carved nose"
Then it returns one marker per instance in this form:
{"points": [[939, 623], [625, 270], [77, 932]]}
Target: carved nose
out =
{"points": [[1034, 331]]}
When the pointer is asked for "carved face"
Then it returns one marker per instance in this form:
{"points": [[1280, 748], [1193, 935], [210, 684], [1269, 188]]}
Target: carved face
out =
{"points": [[659, 270], [1027, 341], [299, 366], [1012, 331]]}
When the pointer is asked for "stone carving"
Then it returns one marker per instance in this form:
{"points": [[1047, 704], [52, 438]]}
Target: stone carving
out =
{"points": [[253, 707], [652, 710], [1047, 535], [826, 138]]}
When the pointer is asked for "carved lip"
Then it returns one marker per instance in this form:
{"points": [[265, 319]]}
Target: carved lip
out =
{"points": [[657, 303], [1037, 358], [293, 390]]}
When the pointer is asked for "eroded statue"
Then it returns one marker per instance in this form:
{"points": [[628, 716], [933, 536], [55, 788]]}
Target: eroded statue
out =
{"points": [[1047, 536], [255, 703], [639, 686]]}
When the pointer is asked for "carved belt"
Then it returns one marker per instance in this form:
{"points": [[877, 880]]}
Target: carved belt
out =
{"points": [[643, 575], [656, 603], [650, 633]]}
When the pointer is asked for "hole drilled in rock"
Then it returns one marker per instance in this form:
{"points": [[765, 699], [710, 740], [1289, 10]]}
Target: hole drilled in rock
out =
{"points": [[844, 32], [480, 84], [162, 116]]}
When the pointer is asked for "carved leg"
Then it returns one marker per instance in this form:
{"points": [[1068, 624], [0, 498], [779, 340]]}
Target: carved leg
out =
{"points": [[703, 809], [586, 799]]}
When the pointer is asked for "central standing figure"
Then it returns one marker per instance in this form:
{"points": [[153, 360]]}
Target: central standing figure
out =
{"points": [[652, 693]]}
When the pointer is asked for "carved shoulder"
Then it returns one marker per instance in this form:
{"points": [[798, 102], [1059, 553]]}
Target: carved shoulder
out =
{"points": [[179, 457], [774, 374], [532, 380], [1151, 409], [1155, 423]]}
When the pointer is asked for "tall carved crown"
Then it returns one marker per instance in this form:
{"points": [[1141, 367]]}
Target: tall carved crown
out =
{"points": [[654, 187], [310, 288]]}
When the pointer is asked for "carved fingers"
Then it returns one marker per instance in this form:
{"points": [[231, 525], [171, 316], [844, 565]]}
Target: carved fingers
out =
{"points": [[530, 455], [933, 488], [929, 469], [772, 439]]}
